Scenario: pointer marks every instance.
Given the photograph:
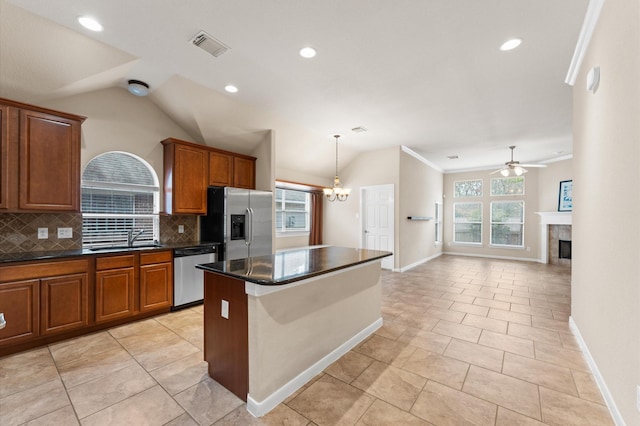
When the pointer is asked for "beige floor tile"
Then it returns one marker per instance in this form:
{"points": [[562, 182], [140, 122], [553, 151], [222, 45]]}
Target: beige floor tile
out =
{"points": [[537, 334], [532, 310], [158, 354], [145, 327], [498, 326], [281, 415], [475, 354], [386, 350], [383, 414], [33, 403], [560, 409], [93, 396], [62, 417], [391, 384], [89, 368], [524, 319], [182, 374], [427, 340], [207, 401], [511, 418], [494, 304], [182, 420], [560, 356], [470, 308], [444, 406], [85, 346], [569, 341], [349, 366], [416, 320], [442, 369], [151, 407], [540, 373], [305, 386], [26, 370], [551, 324], [329, 401], [506, 391], [514, 300], [479, 294], [507, 343], [391, 330], [587, 387], [458, 298], [445, 314], [458, 331]]}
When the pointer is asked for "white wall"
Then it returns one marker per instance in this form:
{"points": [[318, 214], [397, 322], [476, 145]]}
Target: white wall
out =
{"points": [[606, 230], [549, 180]]}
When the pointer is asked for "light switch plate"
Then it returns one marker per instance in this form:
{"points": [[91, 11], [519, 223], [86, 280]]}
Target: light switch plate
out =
{"points": [[180, 229], [43, 233], [225, 309], [65, 233]]}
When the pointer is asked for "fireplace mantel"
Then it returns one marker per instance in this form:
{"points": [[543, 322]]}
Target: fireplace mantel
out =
{"points": [[546, 219]]}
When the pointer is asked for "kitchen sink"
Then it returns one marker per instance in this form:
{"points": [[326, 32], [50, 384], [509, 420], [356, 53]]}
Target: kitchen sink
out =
{"points": [[125, 247]]}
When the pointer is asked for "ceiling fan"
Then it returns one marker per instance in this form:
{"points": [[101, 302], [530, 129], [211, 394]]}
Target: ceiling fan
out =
{"points": [[514, 168]]}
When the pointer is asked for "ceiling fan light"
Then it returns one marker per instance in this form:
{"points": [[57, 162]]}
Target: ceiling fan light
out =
{"points": [[518, 170], [504, 172]]}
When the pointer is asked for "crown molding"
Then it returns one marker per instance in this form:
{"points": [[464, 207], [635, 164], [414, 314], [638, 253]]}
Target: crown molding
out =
{"points": [[588, 26], [421, 158]]}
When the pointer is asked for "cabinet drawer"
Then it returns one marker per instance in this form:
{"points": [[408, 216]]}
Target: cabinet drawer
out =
{"points": [[44, 269], [156, 257], [114, 262]]}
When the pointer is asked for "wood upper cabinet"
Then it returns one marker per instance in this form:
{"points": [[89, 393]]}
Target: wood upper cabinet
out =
{"points": [[19, 302], [220, 169], [40, 164], [156, 280], [4, 157], [115, 287], [186, 168], [244, 172], [64, 303]]}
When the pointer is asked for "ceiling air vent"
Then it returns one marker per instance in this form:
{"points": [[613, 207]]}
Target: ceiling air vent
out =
{"points": [[209, 44]]}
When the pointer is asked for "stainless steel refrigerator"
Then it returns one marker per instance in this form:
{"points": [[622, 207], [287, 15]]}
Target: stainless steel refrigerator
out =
{"points": [[240, 219]]}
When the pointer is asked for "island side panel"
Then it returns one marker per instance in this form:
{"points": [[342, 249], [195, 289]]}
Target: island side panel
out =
{"points": [[226, 340], [291, 330]]}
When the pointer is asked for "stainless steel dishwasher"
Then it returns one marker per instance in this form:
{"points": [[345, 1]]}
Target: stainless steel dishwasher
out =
{"points": [[188, 282]]}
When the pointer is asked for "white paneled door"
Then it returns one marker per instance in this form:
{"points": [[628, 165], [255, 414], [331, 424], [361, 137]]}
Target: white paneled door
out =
{"points": [[377, 220]]}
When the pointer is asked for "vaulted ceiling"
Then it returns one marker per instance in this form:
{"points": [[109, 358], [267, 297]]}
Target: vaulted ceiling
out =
{"points": [[424, 74]]}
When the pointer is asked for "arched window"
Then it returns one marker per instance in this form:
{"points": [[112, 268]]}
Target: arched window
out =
{"points": [[120, 192]]}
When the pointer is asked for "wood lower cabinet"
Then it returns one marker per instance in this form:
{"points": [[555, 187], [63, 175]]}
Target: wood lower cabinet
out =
{"points": [[156, 280], [40, 163], [19, 301], [115, 287], [64, 303]]}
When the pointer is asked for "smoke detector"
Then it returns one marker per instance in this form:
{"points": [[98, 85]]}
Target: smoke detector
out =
{"points": [[209, 44]]}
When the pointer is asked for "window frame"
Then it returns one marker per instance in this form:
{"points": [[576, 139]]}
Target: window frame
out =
{"points": [[438, 223], [120, 238], [283, 232], [522, 224], [480, 222], [507, 195]]}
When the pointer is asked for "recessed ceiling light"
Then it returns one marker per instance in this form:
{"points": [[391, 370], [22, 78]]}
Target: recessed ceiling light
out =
{"points": [[90, 23], [307, 52], [511, 44], [231, 88]]}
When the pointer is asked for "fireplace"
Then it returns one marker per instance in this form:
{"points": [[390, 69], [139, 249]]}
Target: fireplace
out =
{"points": [[564, 251], [554, 226]]}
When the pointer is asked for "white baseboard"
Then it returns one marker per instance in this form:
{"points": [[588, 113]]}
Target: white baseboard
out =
{"points": [[260, 408], [523, 259], [604, 390], [419, 262]]}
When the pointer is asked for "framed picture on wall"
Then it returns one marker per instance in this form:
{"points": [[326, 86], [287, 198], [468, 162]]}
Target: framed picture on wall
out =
{"points": [[565, 196]]}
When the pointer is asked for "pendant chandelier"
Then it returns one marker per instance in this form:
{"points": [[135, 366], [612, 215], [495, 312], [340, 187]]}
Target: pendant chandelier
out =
{"points": [[337, 192]]}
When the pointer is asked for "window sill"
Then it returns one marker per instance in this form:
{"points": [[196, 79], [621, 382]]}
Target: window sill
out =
{"points": [[467, 244], [500, 246], [292, 234]]}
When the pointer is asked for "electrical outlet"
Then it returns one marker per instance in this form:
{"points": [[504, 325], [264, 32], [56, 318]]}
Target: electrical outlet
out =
{"points": [[180, 229], [225, 309], [528, 248], [65, 233], [43, 233]]}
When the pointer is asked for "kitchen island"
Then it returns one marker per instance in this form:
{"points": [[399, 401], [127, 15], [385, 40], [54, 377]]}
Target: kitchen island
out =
{"points": [[272, 323]]}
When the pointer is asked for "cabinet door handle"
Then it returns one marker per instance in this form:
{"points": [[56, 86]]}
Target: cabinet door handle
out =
{"points": [[3, 322]]}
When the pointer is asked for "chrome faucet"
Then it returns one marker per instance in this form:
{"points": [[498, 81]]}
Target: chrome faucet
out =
{"points": [[131, 237]]}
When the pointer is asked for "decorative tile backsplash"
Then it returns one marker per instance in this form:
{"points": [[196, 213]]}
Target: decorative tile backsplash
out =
{"points": [[19, 231]]}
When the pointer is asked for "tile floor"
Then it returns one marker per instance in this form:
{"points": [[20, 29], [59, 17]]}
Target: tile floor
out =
{"points": [[465, 341]]}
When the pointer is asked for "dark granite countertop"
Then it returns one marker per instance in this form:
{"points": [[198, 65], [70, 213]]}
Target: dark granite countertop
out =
{"points": [[59, 254], [294, 265]]}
